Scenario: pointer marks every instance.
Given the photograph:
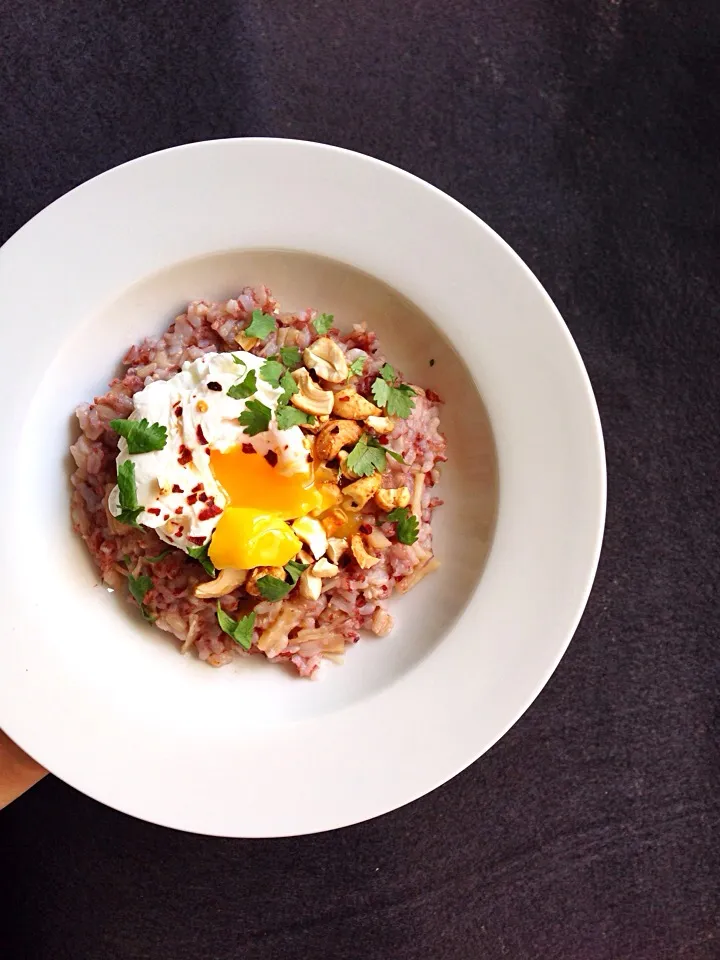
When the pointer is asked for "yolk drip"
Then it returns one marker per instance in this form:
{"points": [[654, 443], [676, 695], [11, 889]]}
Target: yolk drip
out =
{"points": [[252, 531]]}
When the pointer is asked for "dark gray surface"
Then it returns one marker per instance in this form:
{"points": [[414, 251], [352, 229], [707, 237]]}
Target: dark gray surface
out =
{"points": [[586, 132]]}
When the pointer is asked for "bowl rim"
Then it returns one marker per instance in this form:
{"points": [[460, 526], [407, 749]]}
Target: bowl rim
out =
{"points": [[14, 719]]}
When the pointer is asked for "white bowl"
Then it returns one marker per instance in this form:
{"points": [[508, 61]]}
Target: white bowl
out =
{"points": [[106, 703]]}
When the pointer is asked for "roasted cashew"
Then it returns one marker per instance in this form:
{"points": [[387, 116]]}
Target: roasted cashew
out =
{"points": [[364, 559], [225, 582], [389, 499], [350, 404], [381, 424], [323, 568], [335, 435], [327, 360], [312, 533], [336, 548], [311, 398], [357, 494], [310, 586]]}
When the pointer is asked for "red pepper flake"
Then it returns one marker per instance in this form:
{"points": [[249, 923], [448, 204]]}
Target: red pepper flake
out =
{"points": [[365, 528], [166, 516], [155, 510], [203, 497], [214, 385], [177, 488], [433, 397], [248, 448], [199, 433], [179, 510], [197, 487], [210, 511], [271, 458], [198, 541], [191, 499], [179, 532], [178, 410], [185, 455]]}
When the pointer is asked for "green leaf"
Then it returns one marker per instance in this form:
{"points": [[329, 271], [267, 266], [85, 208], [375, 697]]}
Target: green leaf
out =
{"points": [[294, 569], [407, 525], [240, 630], [358, 365], [271, 372], [369, 455], [290, 388], [255, 418], [130, 509], [141, 436], [290, 356], [159, 557], [260, 326], [138, 587], [323, 322], [397, 400], [246, 388], [238, 360], [387, 372], [201, 555], [291, 417], [272, 588]]}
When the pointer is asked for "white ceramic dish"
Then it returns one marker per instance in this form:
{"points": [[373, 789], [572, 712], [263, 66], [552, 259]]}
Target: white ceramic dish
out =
{"points": [[107, 704]]}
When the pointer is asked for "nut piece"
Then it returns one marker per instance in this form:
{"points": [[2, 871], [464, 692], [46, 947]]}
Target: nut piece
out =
{"points": [[247, 343], [389, 499], [310, 586], [323, 568], [349, 403], [344, 469], [226, 581], [364, 559], [333, 521], [314, 427], [311, 532], [336, 548], [258, 572], [327, 360], [335, 435], [311, 398], [357, 494], [381, 424]]}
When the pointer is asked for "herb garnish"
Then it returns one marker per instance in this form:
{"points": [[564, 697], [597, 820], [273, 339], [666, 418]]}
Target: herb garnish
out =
{"points": [[294, 568], [159, 557], [357, 366], [141, 436], [201, 555], [292, 417], [138, 587], [323, 322], [290, 388], [397, 398], [290, 356], [407, 525], [260, 326], [271, 372], [240, 630], [255, 418], [369, 455], [272, 588], [246, 388], [130, 509]]}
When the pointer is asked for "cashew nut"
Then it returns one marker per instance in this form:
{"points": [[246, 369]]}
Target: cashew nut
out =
{"points": [[389, 499], [350, 404], [251, 586], [336, 548], [310, 586], [335, 435], [327, 360], [310, 397], [344, 469], [323, 568], [226, 581], [358, 493], [247, 343], [381, 424], [334, 520], [364, 559], [311, 532]]}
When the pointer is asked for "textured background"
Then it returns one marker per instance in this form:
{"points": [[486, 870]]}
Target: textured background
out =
{"points": [[586, 132]]}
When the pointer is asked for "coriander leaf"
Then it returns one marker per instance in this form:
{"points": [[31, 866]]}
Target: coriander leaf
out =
{"points": [[323, 322], [238, 360], [395, 456], [260, 326], [407, 525], [159, 557], [400, 402], [357, 366], [246, 388], [290, 356], [380, 391], [294, 569], [290, 388], [141, 436], [366, 457], [387, 372], [271, 588], [139, 586], [201, 555], [240, 630], [255, 418], [130, 509], [271, 372], [291, 417]]}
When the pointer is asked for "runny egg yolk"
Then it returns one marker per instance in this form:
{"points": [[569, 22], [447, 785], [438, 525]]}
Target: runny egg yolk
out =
{"points": [[252, 531]]}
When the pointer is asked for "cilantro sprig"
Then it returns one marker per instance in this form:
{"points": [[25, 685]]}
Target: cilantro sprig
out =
{"points": [[141, 436], [261, 325], [290, 388], [130, 509], [255, 417], [397, 398], [201, 555], [138, 587], [240, 630], [273, 588], [292, 417], [369, 455], [271, 372], [323, 322], [358, 365], [159, 557], [246, 388], [407, 526], [290, 356]]}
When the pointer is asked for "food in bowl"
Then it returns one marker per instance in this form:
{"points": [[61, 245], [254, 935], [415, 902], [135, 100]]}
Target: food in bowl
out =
{"points": [[259, 483]]}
